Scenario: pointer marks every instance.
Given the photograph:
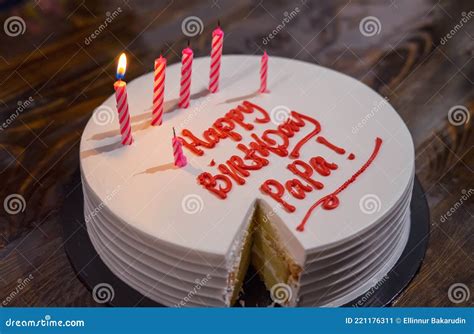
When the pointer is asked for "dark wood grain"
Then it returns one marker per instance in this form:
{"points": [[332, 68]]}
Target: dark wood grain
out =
{"points": [[66, 79]]}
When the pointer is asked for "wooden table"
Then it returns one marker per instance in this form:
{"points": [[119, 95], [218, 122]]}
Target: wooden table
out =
{"points": [[55, 72]]}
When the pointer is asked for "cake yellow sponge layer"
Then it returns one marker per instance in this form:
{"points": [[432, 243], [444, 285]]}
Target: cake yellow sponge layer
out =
{"points": [[263, 249], [237, 278], [269, 256]]}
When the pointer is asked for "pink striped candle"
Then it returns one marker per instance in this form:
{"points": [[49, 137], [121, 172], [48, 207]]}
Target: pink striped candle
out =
{"points": [[186, 69], [158, 91], [179, 157], [122, 102], [216, 55], [263, 73]]}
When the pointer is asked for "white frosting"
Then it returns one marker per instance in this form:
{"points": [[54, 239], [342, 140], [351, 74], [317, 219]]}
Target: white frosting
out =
{"points": [[144, 234]]}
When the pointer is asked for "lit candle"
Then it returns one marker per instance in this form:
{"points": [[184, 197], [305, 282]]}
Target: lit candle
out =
{"points": [[216, 54], [179, 157], [120, 87], [263, 73], [186, 69], [158, 90]]}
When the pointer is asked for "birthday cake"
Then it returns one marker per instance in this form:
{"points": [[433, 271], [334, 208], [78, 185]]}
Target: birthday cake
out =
{"points": [[309, 183]]}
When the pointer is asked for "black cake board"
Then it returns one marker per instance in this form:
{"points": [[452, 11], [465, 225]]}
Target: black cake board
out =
{"points": [[92, 271]]}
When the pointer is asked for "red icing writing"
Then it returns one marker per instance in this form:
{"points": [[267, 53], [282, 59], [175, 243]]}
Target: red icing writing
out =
{"points": [[333, 147], [275, 190], [219, 184], [255, 156], [331, 201], [224, 127], [305, 173], [299, 120], [321, 166], [297, 188], [237, 169], [271, 141]]}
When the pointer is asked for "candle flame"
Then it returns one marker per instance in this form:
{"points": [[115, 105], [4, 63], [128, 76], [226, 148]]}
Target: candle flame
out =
{"points": [[122, 66]]}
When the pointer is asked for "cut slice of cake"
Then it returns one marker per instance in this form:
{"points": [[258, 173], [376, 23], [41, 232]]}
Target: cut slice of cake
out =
{"points": [[273, 262]]}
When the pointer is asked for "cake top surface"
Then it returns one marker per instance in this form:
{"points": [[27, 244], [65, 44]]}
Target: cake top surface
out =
{"points": [[330, 120]]}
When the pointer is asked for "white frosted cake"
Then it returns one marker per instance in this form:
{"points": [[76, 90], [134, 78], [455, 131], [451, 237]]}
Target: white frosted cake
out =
{"points": [[310, 183]]}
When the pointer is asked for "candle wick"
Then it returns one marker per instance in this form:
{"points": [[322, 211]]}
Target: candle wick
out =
{"points": [[174, 133], [189, 43], [219, 23]]}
